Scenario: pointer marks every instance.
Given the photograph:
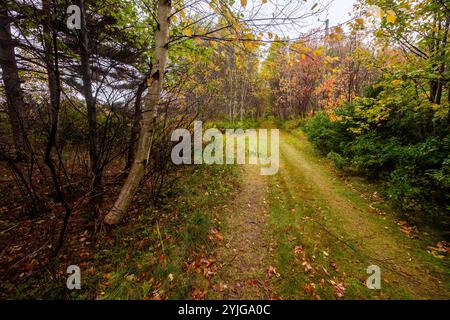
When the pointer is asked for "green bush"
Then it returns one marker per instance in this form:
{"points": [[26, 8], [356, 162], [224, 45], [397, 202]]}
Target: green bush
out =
{"points": [[406, 148]]}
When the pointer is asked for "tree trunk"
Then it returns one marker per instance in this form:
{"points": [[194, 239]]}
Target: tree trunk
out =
{"points": [[150, 111], [442, 68], [95, 167], [136, 121], [11, 81]]}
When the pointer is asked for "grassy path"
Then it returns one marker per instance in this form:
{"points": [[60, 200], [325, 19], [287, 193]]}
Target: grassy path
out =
{"points": [[307, 234], [247, 250]]}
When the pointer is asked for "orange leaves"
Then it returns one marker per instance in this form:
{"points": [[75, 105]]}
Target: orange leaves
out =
{"points": [[217, 234], [198, 294], [309, 288], [407, 229]]}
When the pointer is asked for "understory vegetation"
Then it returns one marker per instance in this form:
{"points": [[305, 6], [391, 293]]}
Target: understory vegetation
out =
{"points": [[401, 144], [92, 95]]}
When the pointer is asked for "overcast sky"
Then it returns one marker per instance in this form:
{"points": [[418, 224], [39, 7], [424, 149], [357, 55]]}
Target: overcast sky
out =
{"points": [[338, 12]]}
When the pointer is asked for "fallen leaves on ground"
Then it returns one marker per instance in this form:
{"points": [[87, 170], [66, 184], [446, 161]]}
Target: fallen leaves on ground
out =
{"points": [[441, 250], [217, 234], [407, 229], [338, 288], [273, 271], [198, 294], [299, 250]]}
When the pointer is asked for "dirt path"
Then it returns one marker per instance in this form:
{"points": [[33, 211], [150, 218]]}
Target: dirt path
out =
{"points": [[361, 233], [246, 254], [320, 234]]}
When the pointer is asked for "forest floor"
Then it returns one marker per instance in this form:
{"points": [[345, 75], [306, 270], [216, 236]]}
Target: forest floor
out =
{"points": [[226, 232], [309, 233]]}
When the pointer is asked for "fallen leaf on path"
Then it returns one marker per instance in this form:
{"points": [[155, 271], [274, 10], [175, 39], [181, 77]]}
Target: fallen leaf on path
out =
{"points": [[253, 282], [273, 270], [309, 288], [198, 294], [222, 286], [299, 249], [307, 266], [217, 234], [339, 290]]}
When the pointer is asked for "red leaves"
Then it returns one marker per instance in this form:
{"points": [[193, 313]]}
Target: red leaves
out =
{"points": [[203, 266], [338, 288]]}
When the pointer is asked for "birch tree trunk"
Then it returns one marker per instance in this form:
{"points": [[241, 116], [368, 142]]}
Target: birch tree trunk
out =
{"points": [[155, 87]]}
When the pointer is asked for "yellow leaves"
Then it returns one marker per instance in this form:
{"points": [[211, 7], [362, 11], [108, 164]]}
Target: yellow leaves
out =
{"points": [[188, 32], [391, 17], [318, 51], [338, 29], [396, 83], [197, 40], [360, 21], [244, 3], [377, 12], [337, 34], [213, 44], [270, 35], [329, 60], [229, 15]]}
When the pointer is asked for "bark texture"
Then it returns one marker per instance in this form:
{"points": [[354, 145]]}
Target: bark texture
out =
{"points": [[11, 81], [155, 85]]}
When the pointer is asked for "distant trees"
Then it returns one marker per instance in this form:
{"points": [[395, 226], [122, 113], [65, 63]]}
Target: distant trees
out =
{"points": [[81, 103]]}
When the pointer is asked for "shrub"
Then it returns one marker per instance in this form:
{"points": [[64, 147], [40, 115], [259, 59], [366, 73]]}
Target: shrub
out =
{"points": [[387, 139]]}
